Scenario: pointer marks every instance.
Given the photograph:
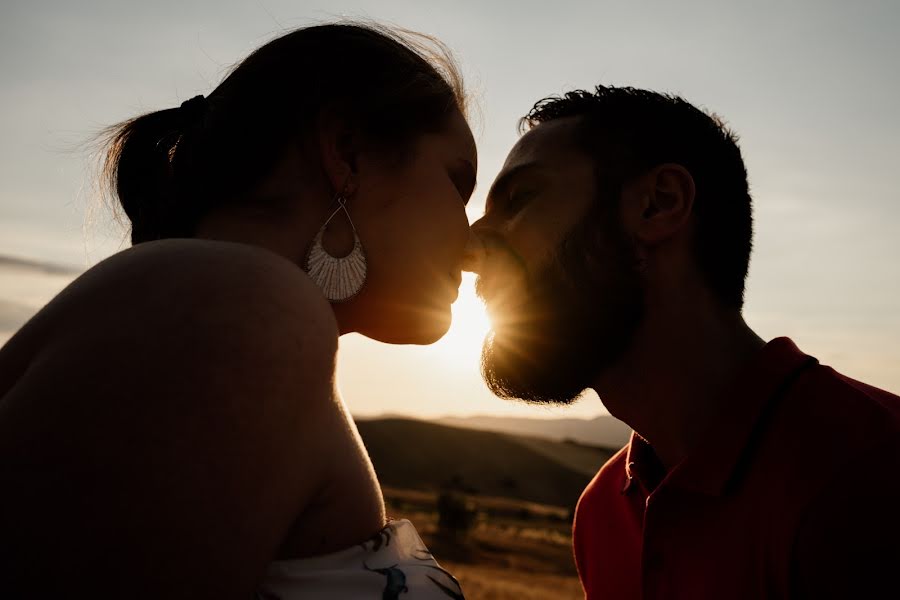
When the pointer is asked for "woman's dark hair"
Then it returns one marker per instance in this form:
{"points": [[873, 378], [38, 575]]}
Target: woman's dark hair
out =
{"points": [[169, 168], [628, 131]]}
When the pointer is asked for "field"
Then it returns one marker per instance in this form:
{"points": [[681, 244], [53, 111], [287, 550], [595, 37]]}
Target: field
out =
{"points": [[419, 455], [495, 508], [512, 550]]}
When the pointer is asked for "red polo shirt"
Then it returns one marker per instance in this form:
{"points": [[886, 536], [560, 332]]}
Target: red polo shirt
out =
{"points": [[795, 493]]}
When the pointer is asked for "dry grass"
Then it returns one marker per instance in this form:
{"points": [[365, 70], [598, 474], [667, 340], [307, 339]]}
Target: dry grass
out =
{"points": [[515, 550], [508, 504], [491, 583]]}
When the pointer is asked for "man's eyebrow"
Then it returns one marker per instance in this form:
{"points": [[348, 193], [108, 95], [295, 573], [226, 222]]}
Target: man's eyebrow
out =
{"points": [[500, 185]]}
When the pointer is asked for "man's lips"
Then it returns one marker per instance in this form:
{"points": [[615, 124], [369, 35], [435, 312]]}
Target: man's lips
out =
{"points": [[502, 276]]}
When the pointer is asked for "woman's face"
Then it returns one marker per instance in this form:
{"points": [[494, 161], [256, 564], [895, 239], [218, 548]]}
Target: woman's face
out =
{"points": [[411, 220]]}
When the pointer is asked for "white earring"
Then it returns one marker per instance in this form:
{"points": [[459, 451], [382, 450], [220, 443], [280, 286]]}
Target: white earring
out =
{"points": [[339, 278]]}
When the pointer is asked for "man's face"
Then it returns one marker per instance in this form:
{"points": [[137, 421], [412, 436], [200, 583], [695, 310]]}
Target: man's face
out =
{"points": [[558, 273]]}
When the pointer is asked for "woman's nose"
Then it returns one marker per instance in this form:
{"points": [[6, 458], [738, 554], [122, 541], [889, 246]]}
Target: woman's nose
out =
{"points": [[474, 253]]}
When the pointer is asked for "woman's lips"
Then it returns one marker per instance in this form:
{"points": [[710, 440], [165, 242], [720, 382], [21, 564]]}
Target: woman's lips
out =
{"points": [[455, 283]]}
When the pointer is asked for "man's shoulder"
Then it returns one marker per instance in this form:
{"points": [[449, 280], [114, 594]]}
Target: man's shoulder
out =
{"points": [[825, 427], [846, 527], [829, 405], [861, 395]]}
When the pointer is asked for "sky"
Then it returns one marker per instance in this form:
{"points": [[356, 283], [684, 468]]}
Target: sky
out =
{"points": [[811, 87]]}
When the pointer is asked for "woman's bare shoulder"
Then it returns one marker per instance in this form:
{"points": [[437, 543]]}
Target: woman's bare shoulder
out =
{"points": [[194, 374], [202, 288], [184, 320], [184, 328], [156, 298], [199, 267]]}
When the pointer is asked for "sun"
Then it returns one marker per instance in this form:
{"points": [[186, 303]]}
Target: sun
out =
{"points": [[461, 346]]}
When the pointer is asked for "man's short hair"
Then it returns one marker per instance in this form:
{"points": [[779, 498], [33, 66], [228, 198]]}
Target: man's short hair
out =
{"points": [[629, 131]]}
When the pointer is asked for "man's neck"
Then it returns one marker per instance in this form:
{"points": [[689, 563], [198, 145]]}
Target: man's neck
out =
{"points": [[668, 387]]}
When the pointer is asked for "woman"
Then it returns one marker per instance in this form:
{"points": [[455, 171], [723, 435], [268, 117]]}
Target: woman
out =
{"points": [[169, 424]]}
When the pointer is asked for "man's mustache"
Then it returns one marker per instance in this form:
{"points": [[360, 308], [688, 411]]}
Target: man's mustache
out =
{"points": [[500, 261]]}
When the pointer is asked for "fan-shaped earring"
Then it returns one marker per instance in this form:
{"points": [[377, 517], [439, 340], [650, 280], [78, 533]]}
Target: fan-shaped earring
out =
{"points": [[339, 278]]}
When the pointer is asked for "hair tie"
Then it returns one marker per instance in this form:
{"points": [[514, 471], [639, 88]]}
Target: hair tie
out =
{"points": [[194, 108]]}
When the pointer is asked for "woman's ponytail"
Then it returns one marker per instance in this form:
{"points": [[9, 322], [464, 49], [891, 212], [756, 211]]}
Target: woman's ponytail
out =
{"points": [[138, 170]]}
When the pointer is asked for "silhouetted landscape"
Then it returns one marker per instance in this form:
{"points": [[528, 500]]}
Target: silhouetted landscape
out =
{"points": [[496, 508], [426, 456], [603, 431]]}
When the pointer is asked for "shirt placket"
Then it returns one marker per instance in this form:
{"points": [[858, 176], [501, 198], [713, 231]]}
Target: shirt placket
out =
{"points": [[652, 557]]}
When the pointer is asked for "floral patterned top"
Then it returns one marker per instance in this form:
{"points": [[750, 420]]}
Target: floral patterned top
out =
{"points": [[393, 565]]}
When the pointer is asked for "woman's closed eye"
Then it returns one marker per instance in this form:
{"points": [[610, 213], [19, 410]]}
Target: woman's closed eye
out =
{"points": [[463, 177]]}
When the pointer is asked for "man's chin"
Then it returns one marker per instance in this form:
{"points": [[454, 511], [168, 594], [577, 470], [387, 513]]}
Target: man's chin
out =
{"points": [[512, 375]]}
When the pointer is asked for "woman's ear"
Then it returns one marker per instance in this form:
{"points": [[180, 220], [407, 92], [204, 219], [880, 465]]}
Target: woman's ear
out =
{"points": [[659, 203], [339, 151]]}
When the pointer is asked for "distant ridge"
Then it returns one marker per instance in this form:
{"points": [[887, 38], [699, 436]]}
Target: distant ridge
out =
{"points": [[421, 455], [604, 431]]}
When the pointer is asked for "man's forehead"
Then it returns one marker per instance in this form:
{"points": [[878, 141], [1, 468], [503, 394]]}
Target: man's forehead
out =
{"points": [[546, 143], [547, 155]]}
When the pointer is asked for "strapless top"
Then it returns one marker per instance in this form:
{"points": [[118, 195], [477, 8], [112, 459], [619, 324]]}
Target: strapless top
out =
{"points": [[393, 564]]}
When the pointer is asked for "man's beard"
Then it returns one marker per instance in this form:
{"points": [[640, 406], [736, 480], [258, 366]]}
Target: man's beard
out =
{"points": [[578, 319]]}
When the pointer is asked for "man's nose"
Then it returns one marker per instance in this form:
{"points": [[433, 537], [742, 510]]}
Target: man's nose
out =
{"points": [[474, 253]]}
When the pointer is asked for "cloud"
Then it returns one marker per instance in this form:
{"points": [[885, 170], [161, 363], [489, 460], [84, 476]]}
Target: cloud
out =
{"points": [[12, 262], [13, 316]]}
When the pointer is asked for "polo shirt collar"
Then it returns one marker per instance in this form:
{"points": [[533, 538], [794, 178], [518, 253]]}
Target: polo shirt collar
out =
{"points": [[642, 466], [709, 468]]}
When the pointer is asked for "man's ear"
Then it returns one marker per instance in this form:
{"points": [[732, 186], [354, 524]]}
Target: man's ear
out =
{"points": [[339, 151], [658, 204]]}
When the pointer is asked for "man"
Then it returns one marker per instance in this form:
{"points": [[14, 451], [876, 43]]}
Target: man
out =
{"points": [[616, 241]]}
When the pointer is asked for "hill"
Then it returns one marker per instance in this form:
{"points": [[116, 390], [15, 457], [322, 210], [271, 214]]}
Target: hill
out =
{"points": [[604, 431], [420, 455]]}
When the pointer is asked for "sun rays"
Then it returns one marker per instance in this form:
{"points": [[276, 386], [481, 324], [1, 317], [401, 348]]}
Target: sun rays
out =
{"points": [[462, 344]]}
